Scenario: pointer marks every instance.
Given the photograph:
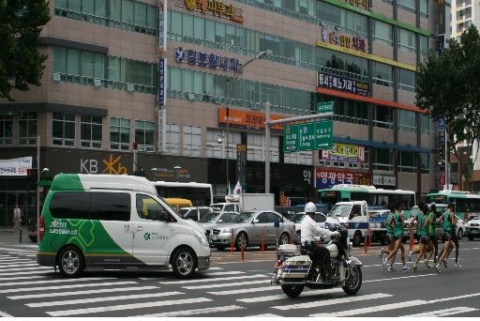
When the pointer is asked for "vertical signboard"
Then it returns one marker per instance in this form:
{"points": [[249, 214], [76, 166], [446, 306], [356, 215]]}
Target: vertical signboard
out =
{"points": [[242, 165], [162, 25], [161, 82]]}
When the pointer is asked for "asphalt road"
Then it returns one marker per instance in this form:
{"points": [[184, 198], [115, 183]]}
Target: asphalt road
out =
{"points": [[233, 287]]}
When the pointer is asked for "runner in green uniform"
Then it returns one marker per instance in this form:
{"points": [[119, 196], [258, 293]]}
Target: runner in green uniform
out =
{"points": [[396, 223], [423, 239], [448, 220]]}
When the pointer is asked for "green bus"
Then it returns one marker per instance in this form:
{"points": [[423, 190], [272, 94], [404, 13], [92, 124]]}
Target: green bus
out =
{"points": [[376, 198], [465, 202]]}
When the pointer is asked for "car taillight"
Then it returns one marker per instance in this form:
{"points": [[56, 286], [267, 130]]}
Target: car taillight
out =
{"points": [[41, 228], [346, 225]]}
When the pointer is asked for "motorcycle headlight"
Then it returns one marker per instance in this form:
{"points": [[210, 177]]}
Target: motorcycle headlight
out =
{"points": [[201, 238]]}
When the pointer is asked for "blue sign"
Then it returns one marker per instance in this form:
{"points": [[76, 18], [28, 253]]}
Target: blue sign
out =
{"points": [[204, 59], [162, 69]]}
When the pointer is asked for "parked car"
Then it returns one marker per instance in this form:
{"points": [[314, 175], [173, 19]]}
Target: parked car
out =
{"points": [[216, 218], [472, 228], [251, 228], [286, 211], [194, 213], [319, 218]]}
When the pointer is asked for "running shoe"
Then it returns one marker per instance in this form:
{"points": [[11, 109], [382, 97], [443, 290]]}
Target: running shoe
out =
{"points": [[381, 252], [415, 268], [384, 263], [426, 263], [410, 255], [438, 268], [405, 268], [391, 269], [458, 266]]}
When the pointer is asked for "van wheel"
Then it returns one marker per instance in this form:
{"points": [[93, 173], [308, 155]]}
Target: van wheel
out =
{"points": [[184, 262], [71, 262]]}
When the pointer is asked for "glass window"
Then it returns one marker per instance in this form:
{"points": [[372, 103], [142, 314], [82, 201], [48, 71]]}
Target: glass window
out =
{"points": [[63, 129], [406, 120], [127, 12], [406, 40], [73, 62], [382, 74], [6, 128], [383, 116], [144, 134], [60, 59], [199, 28], [407, 161], [424, 11], [408, 5], [27, 128], [383, 159], [382, 33], [110, 206], [173, 139], [91, 131], [149, 209], [406, 80], [119, 133], [424, 162], [424, 124], [70, 205], [192, 141], [187, 23]]}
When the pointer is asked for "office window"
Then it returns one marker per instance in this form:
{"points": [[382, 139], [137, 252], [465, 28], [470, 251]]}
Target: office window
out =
{"points": [[406, 80], [172, 139], [407, 161], [382, 33], [63, 129], [383, 116], [406, 40], [27, 128], [192, 141], [424, 162], [425, 122], [91, 131], [424, 8], [145, 135], [6, 128], [119, 133], [383, 159], [408, 5], [382, 74], [406, 120]]}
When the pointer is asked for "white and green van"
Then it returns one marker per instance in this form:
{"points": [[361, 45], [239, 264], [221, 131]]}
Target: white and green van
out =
{"points": [[116, 222]]}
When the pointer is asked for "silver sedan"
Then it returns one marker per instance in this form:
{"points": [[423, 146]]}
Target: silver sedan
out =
{"points": [[254, 228]]}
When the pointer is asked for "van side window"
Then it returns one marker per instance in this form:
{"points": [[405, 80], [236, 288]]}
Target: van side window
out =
{"points": [[70, 205], [149, 209], [110, 206]]}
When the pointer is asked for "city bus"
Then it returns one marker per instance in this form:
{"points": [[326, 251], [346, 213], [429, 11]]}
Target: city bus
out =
{"points": [[376, 198], [465, 202], [201, 194]]}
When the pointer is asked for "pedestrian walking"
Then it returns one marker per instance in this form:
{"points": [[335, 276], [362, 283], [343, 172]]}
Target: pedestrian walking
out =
{"points": [[17, 219]]}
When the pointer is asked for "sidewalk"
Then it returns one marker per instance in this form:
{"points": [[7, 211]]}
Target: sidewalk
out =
{"points": [[7, 236]]}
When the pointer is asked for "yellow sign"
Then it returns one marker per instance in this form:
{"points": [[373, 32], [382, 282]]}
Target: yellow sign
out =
{"points": [[213, 7], [345, 150]]}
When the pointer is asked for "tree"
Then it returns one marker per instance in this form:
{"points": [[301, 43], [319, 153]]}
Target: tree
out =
{"points": [[21, 63], [448, 87]]}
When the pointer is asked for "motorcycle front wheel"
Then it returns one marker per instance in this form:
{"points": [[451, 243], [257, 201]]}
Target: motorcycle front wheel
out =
{"points": [[353, 280], [292, 291]]}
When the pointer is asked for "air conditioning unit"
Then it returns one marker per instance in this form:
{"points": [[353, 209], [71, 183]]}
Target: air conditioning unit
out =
{"points": [[130, 87], [97, 82], [191, 96], [56, 77]]}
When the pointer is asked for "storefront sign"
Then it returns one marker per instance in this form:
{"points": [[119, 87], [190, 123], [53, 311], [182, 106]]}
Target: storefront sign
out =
{"points": [[327, 177], [344, 153], [162, 70], [386, 180], [363, 4], [212, 7], [203, 59], [162, 26], [250, 119], [15, 166], [336, 82], [242, 164], [347, 41]]}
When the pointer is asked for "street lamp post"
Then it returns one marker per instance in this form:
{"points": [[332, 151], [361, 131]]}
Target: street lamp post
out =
{"points": [[229, 83]]}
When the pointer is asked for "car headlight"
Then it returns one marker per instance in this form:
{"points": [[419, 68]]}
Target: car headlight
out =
{"points": [[201, 238]]}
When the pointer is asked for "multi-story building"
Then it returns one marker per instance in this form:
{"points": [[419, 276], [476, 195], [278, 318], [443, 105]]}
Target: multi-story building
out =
{"points": [[464, 14], [161, 76]]}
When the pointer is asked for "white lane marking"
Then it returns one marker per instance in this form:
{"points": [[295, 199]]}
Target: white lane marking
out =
{"points": [[57, 294], [264, 315], [317, 304], [5, 315], [68, 286], [400, 278], [49, 281], [249, 290], [213, 279], [224, 273], [102, 299], [27, 277], [17, 265], [193, 312], [27, 272], [224, 285], [283, 296], [124, 307], [442, 313], [14, 259], [35, 268], [373, 309]]}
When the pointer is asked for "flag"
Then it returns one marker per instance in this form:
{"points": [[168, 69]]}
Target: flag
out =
{"points": [[238, 189]]}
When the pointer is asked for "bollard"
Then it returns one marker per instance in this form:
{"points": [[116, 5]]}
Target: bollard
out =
{"points": [[20, 233], [232, 244], [243, 251], [263, 241]]}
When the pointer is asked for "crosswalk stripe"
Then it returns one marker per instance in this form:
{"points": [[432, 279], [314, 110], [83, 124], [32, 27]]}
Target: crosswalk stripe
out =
{"points": [[248, 290], [400, 278], [14, 259], [35, 268], [264, 315], [15, 265], [283, 296], [28, 277], [317, 304], [213, 279], [68, 286], [184, 313], [442, 313], [224, 285], [102, 299], [5, 315], [53, 281], [22, 272], [124, 307], [224, 273], [62, 294], [372, 309]]}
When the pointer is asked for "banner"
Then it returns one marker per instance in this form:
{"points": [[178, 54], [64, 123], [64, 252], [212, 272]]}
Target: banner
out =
{"points": [[15, 166], [326, 177]]}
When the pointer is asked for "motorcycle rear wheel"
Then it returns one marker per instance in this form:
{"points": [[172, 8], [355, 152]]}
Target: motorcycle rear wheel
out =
{"points": [[292, 291], [353, 281]]}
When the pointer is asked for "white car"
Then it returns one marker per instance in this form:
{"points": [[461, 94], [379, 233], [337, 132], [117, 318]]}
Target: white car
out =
{"points": [[472, 227]]}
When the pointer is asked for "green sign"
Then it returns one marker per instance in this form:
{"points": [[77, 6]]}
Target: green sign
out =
{"points": [[308, 136], [325, 107]]}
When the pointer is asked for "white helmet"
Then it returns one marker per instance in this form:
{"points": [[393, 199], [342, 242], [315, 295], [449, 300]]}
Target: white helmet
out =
{"points": [[310, 208]]}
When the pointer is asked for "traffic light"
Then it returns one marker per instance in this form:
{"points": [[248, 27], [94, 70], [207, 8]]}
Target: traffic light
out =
{"points": [[31, 176]]}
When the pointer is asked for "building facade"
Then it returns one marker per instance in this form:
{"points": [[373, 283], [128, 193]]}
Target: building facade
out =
{"points": [[182, 85]]}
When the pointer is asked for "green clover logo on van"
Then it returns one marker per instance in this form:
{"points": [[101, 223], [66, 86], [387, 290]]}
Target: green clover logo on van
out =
{"points": [[146, 236]]}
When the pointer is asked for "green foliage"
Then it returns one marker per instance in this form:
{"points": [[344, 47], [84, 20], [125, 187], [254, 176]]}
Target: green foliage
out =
{"points": [[21, 63]]}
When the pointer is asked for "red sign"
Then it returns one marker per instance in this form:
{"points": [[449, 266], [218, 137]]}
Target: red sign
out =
{"points": [[327, 177]]}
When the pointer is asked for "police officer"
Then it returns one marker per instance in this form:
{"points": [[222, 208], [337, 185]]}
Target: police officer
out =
{"points": [[310, 233]]}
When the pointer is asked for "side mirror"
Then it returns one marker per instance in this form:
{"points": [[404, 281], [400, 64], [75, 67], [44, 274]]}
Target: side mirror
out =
{"points": [[255, 221]]}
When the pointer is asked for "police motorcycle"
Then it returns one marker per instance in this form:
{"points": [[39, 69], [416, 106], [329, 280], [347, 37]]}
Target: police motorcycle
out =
{"points": [[295, 268]]}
